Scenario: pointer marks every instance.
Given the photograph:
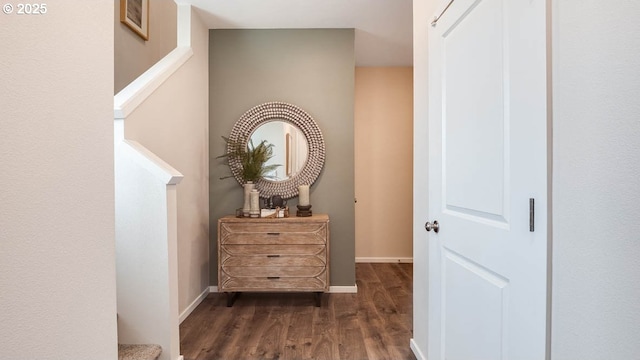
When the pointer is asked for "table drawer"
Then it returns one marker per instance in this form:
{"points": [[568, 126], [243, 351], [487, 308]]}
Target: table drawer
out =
{"points": [[273, 271], [273, 238], [292, 250], [273, 260], [260, 227], [273, 284]]}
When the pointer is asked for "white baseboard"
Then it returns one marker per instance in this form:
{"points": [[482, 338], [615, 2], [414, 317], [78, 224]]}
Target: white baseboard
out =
{"points": [[407, 260], [416, 350], [213, 289], [193, 305], [180, 357], [343, 289]]}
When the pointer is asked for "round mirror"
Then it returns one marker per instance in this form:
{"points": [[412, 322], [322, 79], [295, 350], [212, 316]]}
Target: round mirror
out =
{"points": [[297, 143], [290, 148]]}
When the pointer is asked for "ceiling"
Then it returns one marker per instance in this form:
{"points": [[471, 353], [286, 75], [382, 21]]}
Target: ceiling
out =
{"points": [[383, 28]]}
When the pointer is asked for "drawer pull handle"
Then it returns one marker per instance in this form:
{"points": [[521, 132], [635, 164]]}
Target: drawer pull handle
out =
{"points": [[273, 233], [273, 277], [273, 256]]}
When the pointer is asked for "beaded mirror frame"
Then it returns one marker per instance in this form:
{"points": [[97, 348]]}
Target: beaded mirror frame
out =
{"points": [[271, 111]]}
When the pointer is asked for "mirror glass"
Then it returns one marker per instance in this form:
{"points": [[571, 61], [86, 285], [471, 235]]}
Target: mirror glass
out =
{"points": [[290, 148]]}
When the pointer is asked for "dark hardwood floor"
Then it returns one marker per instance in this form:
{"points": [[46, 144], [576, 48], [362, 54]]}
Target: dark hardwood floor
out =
{"points": [[375, 323]]}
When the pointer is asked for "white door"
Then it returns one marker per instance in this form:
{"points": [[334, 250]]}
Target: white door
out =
{"points": [[487, 159]]}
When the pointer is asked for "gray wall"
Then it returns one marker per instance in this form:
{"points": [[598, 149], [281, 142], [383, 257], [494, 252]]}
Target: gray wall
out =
{"points": [[312, 69]]}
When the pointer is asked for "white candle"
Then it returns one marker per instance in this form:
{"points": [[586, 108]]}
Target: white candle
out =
{"points": [[303, 195]]}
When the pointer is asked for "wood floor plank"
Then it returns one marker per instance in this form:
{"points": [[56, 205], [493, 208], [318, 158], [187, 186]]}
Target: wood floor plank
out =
{"points": [[365, 272], [371, 325], [375, 323], [324, 338], [227, 330], [402, 298], [202, 322], [299, 333], [351, 344], [272, 342], [195, 324], [262, 304]]}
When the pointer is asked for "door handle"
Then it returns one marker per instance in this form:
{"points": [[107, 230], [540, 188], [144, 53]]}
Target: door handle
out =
{"points": [[432, 226]]}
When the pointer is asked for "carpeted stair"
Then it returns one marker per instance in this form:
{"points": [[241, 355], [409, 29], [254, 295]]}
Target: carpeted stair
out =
{"points": [[139, 352]]}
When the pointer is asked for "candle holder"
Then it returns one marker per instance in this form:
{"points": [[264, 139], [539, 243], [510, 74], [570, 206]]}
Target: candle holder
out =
{"points": [[303, 211]]}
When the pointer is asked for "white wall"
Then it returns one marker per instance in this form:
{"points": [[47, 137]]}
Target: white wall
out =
{"points": [[596, 181], [173, 124], [57, 261]]}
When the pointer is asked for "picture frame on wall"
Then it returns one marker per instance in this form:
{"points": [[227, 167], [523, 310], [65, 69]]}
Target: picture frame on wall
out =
{"points": [[135, 14]]}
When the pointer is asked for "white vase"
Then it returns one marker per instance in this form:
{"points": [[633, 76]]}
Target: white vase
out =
{"points": [[246, 209], [255, 203]]}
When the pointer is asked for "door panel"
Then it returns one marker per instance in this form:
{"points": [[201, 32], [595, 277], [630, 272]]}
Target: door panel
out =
{"points": [[487, 134], [474, 120], [473, 329]]}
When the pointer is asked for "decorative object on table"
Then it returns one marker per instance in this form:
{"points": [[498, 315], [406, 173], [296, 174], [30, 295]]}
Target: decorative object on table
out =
{"points": [[254, 211], [267, 203], [274, 207], [274, 202], [303, 195], [250, 159], [248, 188], [253, 161], [275, 213], [304, 211], [304, 205], [304, 156], [135, 14], [278, 202]]}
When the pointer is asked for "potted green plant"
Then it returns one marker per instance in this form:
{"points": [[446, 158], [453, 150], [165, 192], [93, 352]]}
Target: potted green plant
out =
{"points": [[252, 159]]}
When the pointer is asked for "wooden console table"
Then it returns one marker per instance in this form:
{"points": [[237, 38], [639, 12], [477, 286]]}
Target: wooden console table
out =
{"points": [[274, 255]]}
